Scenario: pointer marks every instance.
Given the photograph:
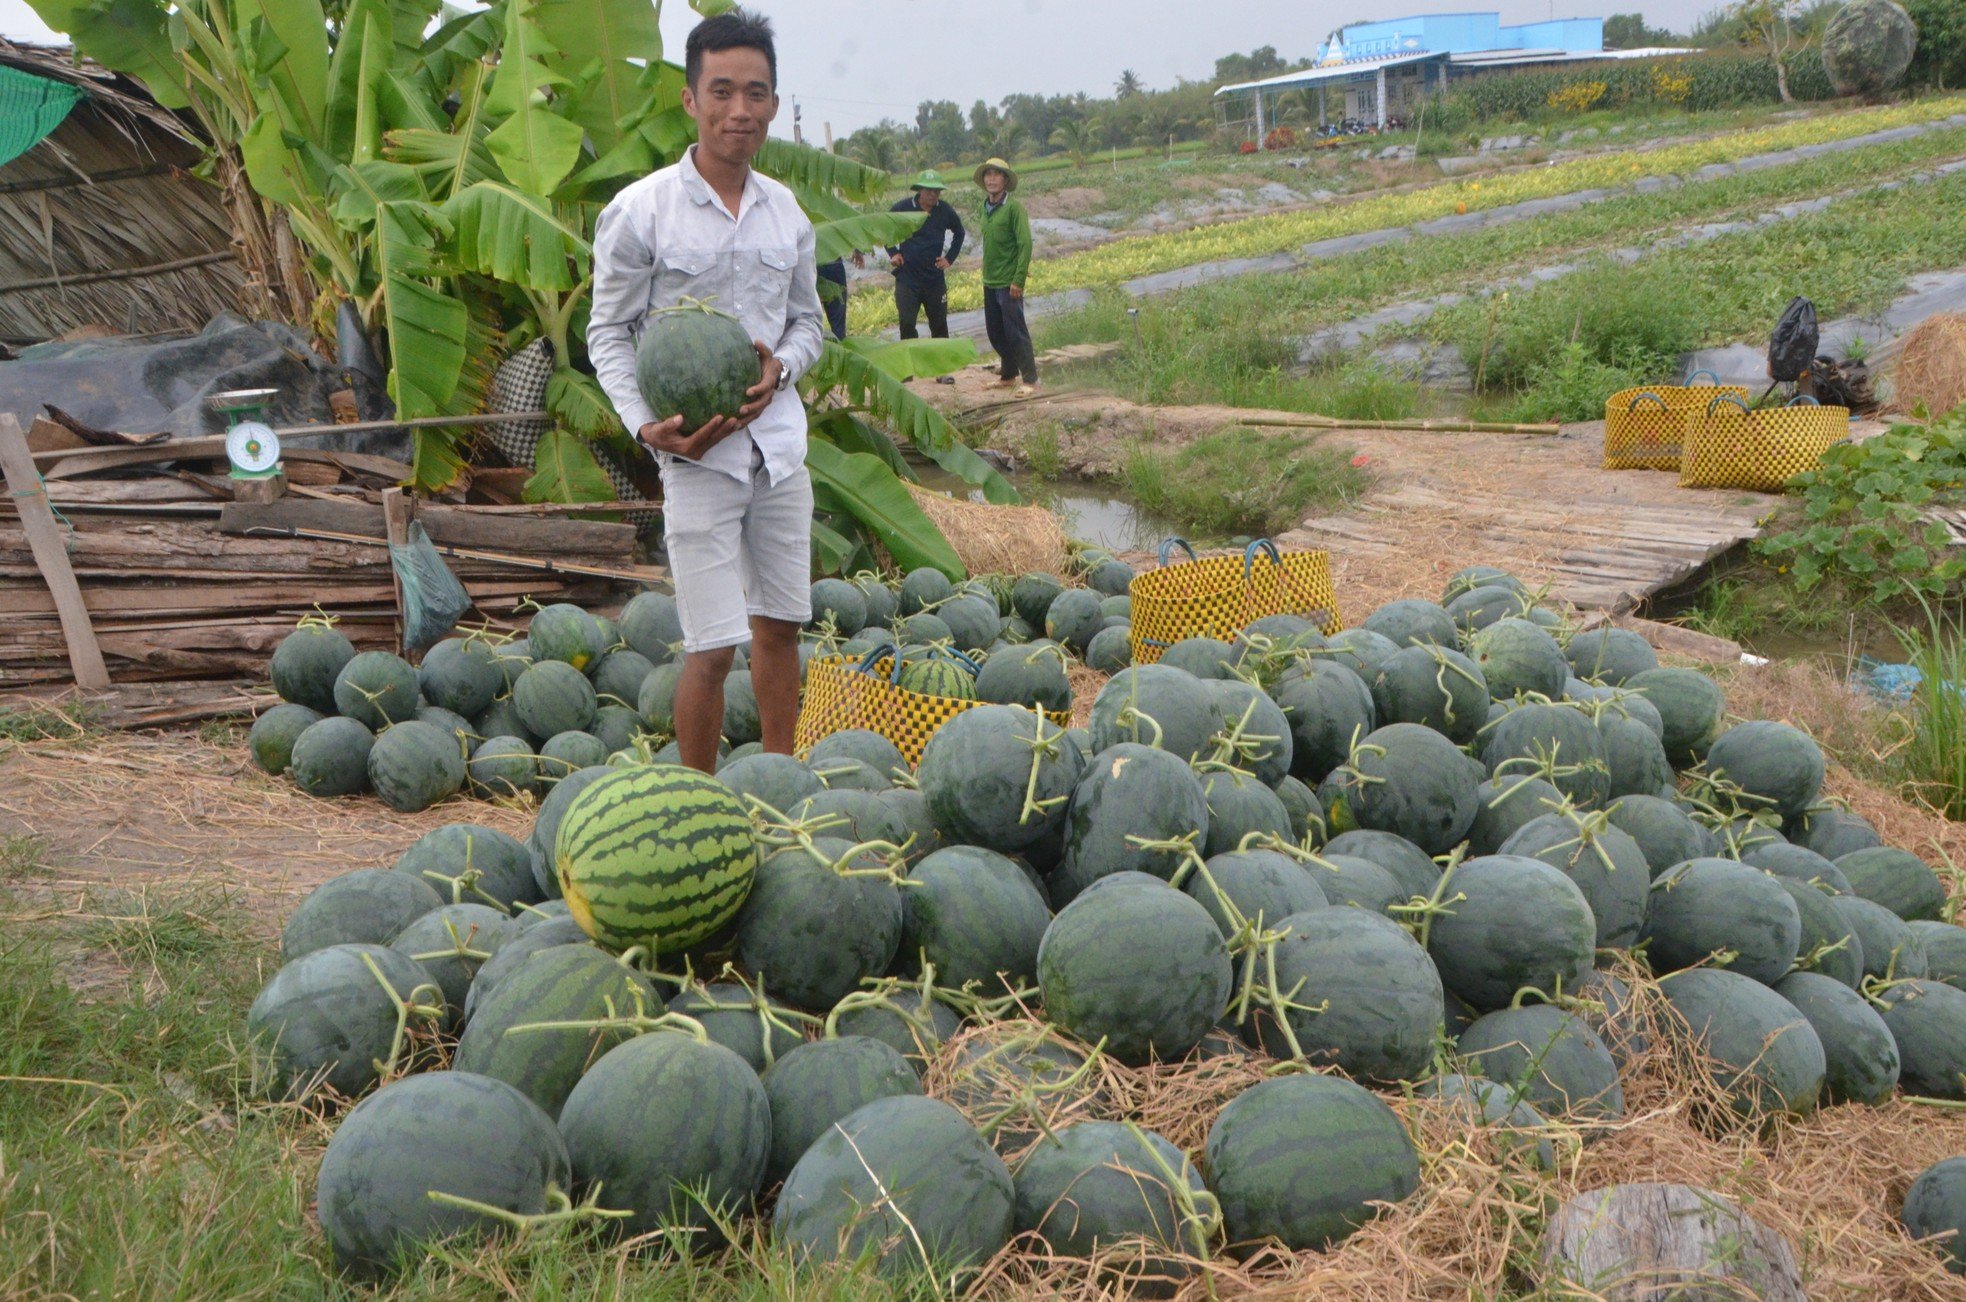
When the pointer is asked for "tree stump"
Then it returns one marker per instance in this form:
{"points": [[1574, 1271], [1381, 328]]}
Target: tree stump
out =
{"points": [[1648, 1242]]}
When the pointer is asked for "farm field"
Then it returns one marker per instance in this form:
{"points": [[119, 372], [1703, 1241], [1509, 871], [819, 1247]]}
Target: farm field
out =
{"points": [[1279, 809]]}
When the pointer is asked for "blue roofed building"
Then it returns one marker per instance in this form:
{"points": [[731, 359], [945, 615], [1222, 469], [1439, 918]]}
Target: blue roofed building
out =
{"points": [[1377, 71]]}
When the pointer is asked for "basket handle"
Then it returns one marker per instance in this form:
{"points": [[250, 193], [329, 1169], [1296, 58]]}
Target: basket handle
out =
{"points": [[1712, 378], [1728, 397], [1168, 545], [1249, 555], [954, 653], [1633, 404], [874, 656], [1800, 399]]}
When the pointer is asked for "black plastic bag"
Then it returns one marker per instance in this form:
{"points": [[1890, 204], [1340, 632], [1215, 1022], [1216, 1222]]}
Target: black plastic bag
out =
{"points": [[433, 599], [1792, 348]]}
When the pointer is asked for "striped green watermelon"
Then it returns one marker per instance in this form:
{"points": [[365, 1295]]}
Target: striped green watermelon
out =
{"points": [[822, 1081], [1766, 1055], [576, 984], [658, 855], [326, 1020], [695, 362], [1363, 995], [939, 676], [818, 921]]}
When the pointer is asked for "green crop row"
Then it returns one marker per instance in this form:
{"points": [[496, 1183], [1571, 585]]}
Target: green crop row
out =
{"points": [[1144, 255], [1702, 81], [1232, 341]]}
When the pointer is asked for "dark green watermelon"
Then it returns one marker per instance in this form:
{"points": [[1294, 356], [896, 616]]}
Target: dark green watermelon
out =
{"points": [[1115, 1191], [1798, 865], [470, 862], [1764, 765], [976, 917], [1360, 650], [1889, 947], [1348, 880], [451, 943], [1140, 966], [1860, 1058], [376, 689], [1477, 608], [1832, 833], [1935, 1209], [1516, 657], [1239, 807], [1329, 708], [1510, 924], [1031, 596], [1252, 734], [1031, 676], [1549, 1057], [754, 1027], [838, 606], [1723, 912], [1897, 879], [1665, 833], [1432, 685], [696, 362], [1303, 1159], [1413, 623], [675, 1130], [1413, 782], [365, 907], [553, 697], [1829, 945], [1609, 655], [1634, 755], [1607, 866], [914, 1025], [1766, 1055], [1928, 1021], [1204, 657], [462, 675], [1505, 805], [414, 765], [823, 1081], [1944, 946], [1409, 865], [328, 1022], [1154, 705], [1689, 704], [1364, 997], [1556, 742], [274, 733], [1519, 1130], [1260, 887], [331, 757], [818, 921], [780, 781], [307, 663], [977, 773], [904, 1184], [447, 1132], [528, 937]]}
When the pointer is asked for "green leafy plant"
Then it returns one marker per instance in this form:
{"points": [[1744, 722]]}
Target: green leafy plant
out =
{"points": [[1931, 762], [1863, 521]]}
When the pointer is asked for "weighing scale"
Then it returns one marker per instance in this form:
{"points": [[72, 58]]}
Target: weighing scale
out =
{"points": [[250, 443]]}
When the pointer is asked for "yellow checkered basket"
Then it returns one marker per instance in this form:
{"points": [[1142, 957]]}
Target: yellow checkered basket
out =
{"points": [[843, 693], [1730, 445], [1645, 429], [1217, 596]]}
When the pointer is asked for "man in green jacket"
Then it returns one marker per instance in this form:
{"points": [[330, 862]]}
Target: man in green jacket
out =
{"points": [[1006, 262]]}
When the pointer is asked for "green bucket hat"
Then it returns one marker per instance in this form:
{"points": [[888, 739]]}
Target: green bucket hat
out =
{"points": [[929, 180], [1010, 176]]}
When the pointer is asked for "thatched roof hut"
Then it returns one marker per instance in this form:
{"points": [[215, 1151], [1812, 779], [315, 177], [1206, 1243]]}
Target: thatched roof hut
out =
{"points": [[101, 222]]}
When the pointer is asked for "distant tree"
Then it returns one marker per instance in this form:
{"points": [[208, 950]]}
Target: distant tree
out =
{"points": [[1769, 26], [1077, 137], [1940, 60], [1007, 141], [943, 133], [1160, 123], [876, 147], [982, 120], [1261, 62], [1128, 85], [1629, 32]]}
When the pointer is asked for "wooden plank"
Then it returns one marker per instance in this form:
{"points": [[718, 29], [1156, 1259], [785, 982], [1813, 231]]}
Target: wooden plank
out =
{"points": [[50, 554], [447, 527]]}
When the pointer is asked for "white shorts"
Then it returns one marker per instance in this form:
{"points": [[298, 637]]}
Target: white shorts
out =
{"points": [[737, 550]]}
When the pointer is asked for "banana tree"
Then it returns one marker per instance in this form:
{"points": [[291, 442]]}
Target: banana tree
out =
{"points": [[446, 182]]}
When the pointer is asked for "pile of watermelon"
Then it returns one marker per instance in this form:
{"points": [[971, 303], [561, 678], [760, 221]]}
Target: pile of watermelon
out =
{"points": [[846, 997], [503, 716]]}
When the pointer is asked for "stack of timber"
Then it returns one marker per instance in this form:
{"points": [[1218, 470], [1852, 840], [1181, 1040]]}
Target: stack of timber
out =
{"points": [[181, 583]]}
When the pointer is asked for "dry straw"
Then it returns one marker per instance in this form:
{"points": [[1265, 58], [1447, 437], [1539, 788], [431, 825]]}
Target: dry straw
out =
{"points": [[997, 539], [1931, 365]]}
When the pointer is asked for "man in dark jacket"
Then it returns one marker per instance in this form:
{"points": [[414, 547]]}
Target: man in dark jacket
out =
{"points": [[920, 260]]}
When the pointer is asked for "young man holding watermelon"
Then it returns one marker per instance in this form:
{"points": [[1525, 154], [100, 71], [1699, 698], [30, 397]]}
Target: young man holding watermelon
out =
{"points": [[737, 501]]}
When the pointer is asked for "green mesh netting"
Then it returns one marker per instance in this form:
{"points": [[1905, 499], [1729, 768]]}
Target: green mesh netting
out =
{"points": [[30, 108]]}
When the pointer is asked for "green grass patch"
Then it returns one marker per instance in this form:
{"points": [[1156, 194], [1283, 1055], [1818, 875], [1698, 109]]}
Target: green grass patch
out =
{"points": [[1238, 481], [1931, 763], [36, 721]]}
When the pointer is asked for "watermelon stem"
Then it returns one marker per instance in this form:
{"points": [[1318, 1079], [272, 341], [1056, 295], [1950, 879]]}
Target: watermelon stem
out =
{"points": [[1268, 993], [406, 1007], [565, 1211], [1198, 1210], [1418, 915], [1243, 745], [1042, 749]]}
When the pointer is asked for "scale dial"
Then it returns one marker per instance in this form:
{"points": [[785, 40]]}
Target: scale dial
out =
{"points": [[253, 447]]}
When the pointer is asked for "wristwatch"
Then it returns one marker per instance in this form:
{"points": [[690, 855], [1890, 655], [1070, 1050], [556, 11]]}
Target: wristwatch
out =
{"points": [[784, 376]]}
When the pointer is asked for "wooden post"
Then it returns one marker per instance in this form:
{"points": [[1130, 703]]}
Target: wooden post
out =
{"points": [[37, 521], [396, 510], [265, 489]]}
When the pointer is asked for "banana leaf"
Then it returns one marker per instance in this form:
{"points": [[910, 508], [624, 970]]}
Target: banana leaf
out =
{"points": [[357, 72], [849, 433], [803, 167], [535, 147], [516, 237], [426, 326], [596, 39], [863, 486], [564, 470], [876, 230], [876, 387], [578, 404]]}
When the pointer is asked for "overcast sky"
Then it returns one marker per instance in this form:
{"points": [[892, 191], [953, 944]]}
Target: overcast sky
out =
{"points": [[854, 62]]}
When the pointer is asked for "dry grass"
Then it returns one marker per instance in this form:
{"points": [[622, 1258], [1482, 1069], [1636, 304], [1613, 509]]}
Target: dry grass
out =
{"points": [[1931, 365], [997, 539]]}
